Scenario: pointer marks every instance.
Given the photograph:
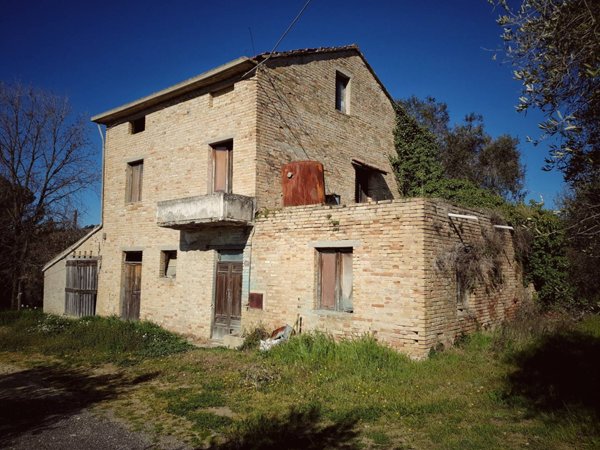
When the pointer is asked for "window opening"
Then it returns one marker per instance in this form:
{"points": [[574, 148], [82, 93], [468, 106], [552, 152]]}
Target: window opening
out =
{"points": [[137, 125], [135, 173], [335, 279], [341, 92], [222, 159], [169, 263]]}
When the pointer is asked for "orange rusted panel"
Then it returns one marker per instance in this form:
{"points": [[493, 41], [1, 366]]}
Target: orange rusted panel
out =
{"points": [[303, 183]]}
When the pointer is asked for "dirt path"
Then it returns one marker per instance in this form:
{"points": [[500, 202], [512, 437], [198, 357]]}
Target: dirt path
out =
{"points": [[54, 408]]}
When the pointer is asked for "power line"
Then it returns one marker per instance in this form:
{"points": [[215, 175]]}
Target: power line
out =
{"points": [[281, 38]]}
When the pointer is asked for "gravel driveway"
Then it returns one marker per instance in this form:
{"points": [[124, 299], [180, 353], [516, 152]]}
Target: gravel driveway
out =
{"points": [[53, 408]]}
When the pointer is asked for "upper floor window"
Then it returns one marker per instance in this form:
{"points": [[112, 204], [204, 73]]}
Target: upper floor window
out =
{"points": [[341, 92], [137, 125], [335, 279], [135, 173], [222, 167]]}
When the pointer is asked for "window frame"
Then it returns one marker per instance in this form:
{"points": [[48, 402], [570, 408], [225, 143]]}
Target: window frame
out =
{"points": [[129, 191], [342, 298]]}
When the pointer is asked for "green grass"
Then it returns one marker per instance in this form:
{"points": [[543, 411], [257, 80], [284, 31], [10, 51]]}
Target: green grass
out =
{"points": [[531, 384], [91, 339]]}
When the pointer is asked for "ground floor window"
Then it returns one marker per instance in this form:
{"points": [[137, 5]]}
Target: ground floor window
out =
{"points": [[335, 279]]}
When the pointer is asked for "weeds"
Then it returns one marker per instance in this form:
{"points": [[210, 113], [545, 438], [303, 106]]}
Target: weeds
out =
{"points": [[531, 383], [252, 338]]}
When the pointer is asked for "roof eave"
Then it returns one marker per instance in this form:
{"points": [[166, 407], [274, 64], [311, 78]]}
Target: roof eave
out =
{"points": [[230, 69]]}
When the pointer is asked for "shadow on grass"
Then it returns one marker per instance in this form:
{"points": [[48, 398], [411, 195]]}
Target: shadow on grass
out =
{"points": [[36, 399], [559, 374], [298, 429]]}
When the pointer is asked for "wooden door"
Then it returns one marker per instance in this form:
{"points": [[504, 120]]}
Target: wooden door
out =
{"points": [[81, 287], [228, 299], [132, 291]]}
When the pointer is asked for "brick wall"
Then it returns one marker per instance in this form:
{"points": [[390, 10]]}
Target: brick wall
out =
{"points": [[175, 147], [297, 120], [489, 303], [398, 293]]}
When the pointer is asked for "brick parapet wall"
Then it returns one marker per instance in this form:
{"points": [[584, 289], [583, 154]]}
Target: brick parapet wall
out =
{"points": [[487, 304], [388, 279], [400, 295]]}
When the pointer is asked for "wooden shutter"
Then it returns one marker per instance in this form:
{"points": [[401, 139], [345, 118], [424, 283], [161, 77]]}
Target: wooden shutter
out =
{"points": [[134, 182], [328, 279], [221, 170]]}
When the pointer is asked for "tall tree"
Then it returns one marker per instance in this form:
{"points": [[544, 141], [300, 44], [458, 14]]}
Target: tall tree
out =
{"points": [[554, 46], [467, 152], [45, 161]]}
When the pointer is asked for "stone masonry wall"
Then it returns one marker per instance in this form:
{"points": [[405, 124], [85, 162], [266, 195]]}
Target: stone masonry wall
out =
{"points": [[297, 120]]}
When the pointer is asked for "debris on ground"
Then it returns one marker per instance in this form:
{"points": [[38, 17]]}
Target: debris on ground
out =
{"points": [[278, 336]]}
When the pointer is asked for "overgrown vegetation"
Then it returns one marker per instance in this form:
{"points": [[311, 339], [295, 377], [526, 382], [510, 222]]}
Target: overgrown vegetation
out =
{"points": [[428, 163], [532, 383]]}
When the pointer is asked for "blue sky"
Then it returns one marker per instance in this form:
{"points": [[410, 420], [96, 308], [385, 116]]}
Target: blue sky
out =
{"points": [[104, 54]]}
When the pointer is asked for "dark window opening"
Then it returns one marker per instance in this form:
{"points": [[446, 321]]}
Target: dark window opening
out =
{"points": [[341, 92], [135, 172], [168, 264], [335, 279], [362, 185], [222, 167], [137, 125], [133, 257]]}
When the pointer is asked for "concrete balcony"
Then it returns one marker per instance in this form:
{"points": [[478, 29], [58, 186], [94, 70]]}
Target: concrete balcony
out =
{"points": [[218, 209]]}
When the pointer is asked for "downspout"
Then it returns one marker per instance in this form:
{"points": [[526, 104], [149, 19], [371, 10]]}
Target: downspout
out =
{"points": [[102, 181]]}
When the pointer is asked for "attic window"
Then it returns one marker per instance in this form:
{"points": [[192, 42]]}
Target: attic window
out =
{"points": [[341, 92], [137, 125]]}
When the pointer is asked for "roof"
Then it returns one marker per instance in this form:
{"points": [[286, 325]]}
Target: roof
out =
{"points": [[239, 66], [71, 248], [235, 67]]}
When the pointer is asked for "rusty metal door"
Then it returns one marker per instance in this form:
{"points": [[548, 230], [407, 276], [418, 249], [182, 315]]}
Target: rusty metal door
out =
{"points": [[81, 287], [132, 291], [228, 299]]}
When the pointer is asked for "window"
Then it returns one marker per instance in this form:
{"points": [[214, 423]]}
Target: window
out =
{"points": [[341, 92], [168, 263], [462, 291], [222, 162], [137, 125], [335, 279], [362, 185], [135, 172]]}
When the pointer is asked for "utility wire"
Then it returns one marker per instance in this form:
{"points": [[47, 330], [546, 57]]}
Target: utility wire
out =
{"points": [[281, 38]]}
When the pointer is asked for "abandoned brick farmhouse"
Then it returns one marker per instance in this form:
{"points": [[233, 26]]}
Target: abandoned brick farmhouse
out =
{"points": [[262, 192]]}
